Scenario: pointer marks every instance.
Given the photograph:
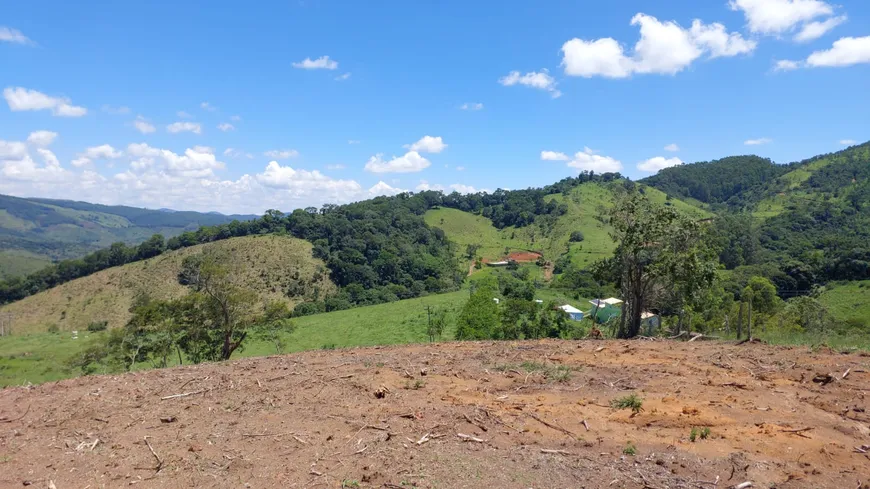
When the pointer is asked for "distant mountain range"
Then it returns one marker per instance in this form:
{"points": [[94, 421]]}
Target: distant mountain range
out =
{"points": [[35, 232]]}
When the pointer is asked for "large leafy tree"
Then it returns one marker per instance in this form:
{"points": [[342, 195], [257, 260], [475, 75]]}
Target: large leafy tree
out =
{"points": [[657, 250]]}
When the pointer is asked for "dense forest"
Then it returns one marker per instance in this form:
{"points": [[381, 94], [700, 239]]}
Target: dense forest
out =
{"points": [[724, 181]]}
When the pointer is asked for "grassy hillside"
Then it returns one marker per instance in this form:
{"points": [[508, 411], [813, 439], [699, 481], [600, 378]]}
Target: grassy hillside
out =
{"points": [[586, 207], [849, 301], [36, 232], [270, 265]]}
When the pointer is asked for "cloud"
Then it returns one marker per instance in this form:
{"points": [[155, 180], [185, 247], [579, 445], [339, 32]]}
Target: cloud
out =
{"points": [[335, 167], [20, 99], [353, 141], [381, 188], [41, 138], [663, 48], [235, 118], [161, 178], [757, 142], [235, 153], [49, 157], [343, 77], [281, 154], [207, 106], [846, 51], [672, 147], [409, 163], [427, 144], [110, 109], [177, 127], [143, 125], [14, 36], [183, 115], [540, 80], [103, 152], [226, 126], [588, 160], [321, 63], [775, 17], [460, 168], [657, 163], [848, 142], [12, 150], [425, 186], [471, 106], [814, 30], [554, 156], [786, 65]]}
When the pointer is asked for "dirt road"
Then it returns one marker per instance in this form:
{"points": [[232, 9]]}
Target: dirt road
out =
{"points": [[501, 415]]}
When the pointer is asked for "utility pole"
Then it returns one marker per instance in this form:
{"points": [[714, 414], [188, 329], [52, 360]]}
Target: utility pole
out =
{"points": [[749, 327]]}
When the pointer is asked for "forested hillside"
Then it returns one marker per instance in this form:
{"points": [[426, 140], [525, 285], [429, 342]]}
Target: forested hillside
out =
{"points": [[800, 225], [36, 232]]}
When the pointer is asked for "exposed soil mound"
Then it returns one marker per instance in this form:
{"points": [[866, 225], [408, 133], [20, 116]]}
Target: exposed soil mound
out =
{"points": [[506, 415]]}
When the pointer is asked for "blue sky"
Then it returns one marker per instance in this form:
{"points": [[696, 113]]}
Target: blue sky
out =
{"points": [[211, 105]]}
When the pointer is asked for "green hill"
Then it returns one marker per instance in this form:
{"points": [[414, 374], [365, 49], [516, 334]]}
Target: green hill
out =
{"points": [[36, 232], [275, 267], [585, 207]]}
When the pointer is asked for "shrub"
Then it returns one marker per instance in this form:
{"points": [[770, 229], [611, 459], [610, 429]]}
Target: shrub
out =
{"points": [[53, 329], [629, 449], [98, 326], [576, 237], [632, 402]]}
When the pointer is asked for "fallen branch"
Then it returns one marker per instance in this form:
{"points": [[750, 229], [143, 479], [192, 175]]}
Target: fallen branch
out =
{"points": [[4, 420], [470, 438], [361, 450], [800, 430], [175, 396], [847, 372], [424, 439], [551, 425], [734, 384], [475, 423], [702, 337], [159, 462], [585, 425], [555, 452], [743, 485]]}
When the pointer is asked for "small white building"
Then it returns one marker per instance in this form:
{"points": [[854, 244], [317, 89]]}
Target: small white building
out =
{"points": [[574, 313]]}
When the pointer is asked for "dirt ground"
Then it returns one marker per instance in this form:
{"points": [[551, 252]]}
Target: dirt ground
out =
{"points": [[524, 256], [457, 415]]}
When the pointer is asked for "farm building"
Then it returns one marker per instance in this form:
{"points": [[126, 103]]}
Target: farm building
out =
{"points": [[502, 263], [605, 309], [574, 313]]}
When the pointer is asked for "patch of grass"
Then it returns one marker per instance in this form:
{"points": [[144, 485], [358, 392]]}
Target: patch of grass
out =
{"points": [[629, 449], [693, 434], [350, 483], [632, 402], [705, 433]]}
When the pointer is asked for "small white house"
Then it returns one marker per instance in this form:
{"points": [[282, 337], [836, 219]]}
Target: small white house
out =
{"points": [[574, 313], [498, 263], [496, 300]]}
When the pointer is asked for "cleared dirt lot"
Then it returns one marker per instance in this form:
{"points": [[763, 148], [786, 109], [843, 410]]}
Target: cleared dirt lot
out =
{"points": [[506, 415]]}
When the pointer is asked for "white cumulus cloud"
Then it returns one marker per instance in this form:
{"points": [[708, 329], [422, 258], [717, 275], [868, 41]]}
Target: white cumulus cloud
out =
{"points": [[672, 147], [410, 162], [177, 127], [427, 144], [321, 63], [657, 163], [226, 126], [539, 80], [143, 126], [343, 77], [382, 188], [848, 142], [814, 30], [554, 156], [846, 51], [207, 106], [786, 65], [663, 48], [111, 109], [776, 17], [21, 99], [41, 138], [471, 106]]}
